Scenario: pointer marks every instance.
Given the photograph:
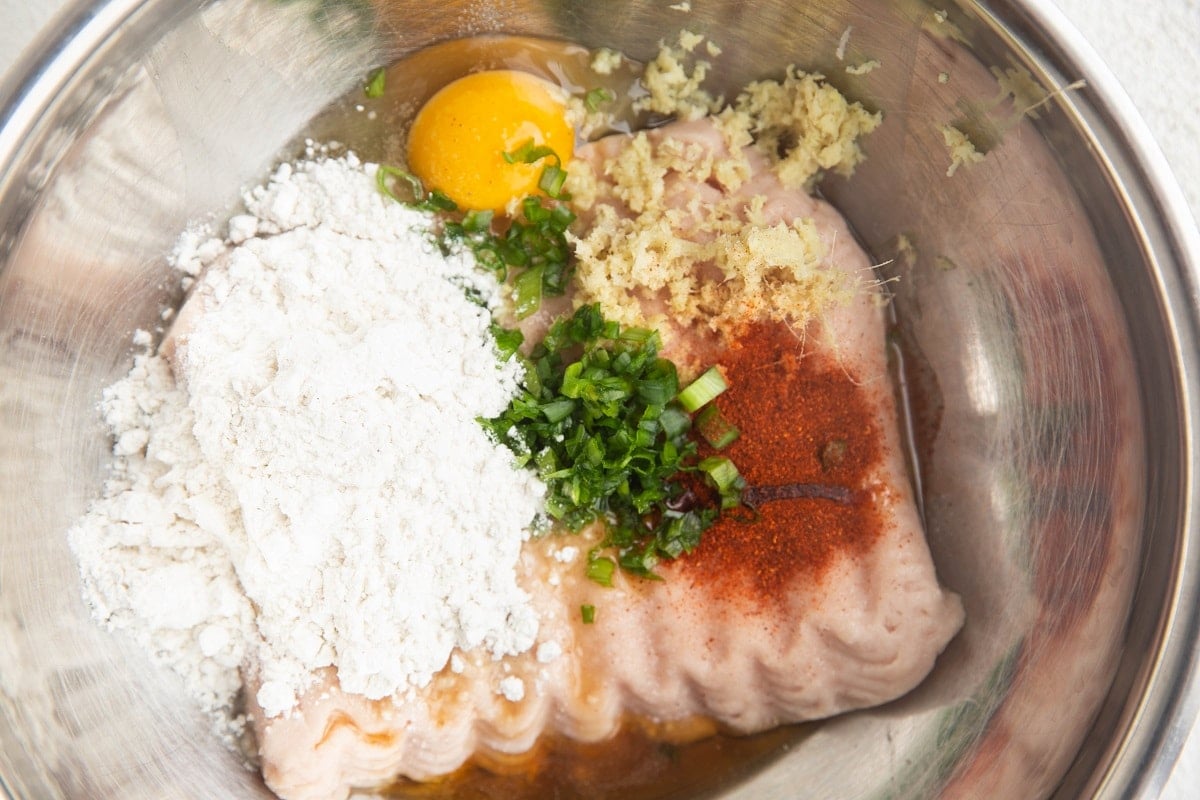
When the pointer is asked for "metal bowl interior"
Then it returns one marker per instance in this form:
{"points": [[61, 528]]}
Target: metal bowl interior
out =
{"points": [[1042, 305]]}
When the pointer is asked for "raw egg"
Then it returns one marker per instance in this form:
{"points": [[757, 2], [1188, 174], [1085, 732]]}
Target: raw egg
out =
{"points": [[458, 140]]}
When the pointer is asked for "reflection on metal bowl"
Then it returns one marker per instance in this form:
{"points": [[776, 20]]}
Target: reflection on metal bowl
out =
{"points": [[1042, 297]]}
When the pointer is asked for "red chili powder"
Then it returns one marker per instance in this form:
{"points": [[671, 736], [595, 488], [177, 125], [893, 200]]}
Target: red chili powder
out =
{"points": [[802, 420]]}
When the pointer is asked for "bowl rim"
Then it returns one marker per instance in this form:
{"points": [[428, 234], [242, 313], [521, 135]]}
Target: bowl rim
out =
{"points": [[1158, 721]]}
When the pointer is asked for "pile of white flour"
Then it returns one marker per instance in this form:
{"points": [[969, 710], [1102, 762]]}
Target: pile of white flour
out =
{"points": [[299, 479]]}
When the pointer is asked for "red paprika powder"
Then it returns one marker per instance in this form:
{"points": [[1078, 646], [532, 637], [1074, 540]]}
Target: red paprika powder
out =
{"points": [[803, 420]]}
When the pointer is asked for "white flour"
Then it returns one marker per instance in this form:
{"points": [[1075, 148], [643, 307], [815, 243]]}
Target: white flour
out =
{"points": [[315, 490]]}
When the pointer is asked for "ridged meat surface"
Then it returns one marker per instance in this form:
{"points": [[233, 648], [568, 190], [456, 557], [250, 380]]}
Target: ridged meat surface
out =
{"points": [[720, 643]]}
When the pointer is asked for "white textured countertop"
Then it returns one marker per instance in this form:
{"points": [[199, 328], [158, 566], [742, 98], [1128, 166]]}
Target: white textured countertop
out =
{"points": [[1149, 45]]}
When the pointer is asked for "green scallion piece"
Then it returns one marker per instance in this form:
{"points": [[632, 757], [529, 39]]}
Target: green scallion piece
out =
{"points": [[437, 200], [720, 471], [725, 477], [716, 430], [600, 569], [596, 97], [599, 421], [557, 410], [529, 153], [527, 292], [552, 180], [561, 218], [477, 221], [587, 612], [385, 176], [375, 83], [508, 341], [659, 383], [703, 390], [674, 422]]}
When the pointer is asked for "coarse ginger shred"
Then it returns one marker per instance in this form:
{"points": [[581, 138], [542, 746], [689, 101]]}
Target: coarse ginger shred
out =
{"points": [[803, 124], [652, 217]]}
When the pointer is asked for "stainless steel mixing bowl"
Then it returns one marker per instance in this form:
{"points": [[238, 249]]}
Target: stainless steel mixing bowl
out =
{"points": [[1047, 317]]}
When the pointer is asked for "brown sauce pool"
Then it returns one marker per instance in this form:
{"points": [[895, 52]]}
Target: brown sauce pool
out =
{"points": [[631, 766]]}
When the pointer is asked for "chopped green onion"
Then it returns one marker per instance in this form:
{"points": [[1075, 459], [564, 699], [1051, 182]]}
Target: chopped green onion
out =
{"points": [[593, 99], [536, 245], [477, 221], [587, 612], [437, 200], [508, 341], [557, 410], [644, 561], [674, 422], [534, 211], [725, 477], [553, 175], [702, 390], [600, 569], [659, 384], [716, 430], [375, 82], [527, 292], [528, 153], [489, 258], [561, 218], [552, 179], [599, 421], [720, 470], [384, 172]]}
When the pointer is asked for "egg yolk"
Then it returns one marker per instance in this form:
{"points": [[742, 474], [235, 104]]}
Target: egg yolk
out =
{"points": [[458, 140]]}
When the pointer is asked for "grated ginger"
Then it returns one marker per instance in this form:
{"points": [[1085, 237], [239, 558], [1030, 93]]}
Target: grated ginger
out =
{"points": [[606, 61], [962, 149], [802, 117], [714, 261], [865, 67], [673, 81], [655, 231]]}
